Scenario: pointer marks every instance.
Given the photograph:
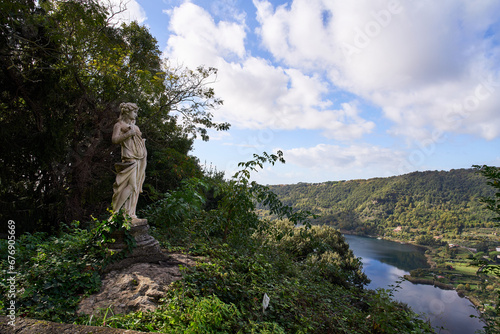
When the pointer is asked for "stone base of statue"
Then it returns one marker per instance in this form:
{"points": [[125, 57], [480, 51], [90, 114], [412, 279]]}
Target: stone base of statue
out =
{"points": [[147, 248]]}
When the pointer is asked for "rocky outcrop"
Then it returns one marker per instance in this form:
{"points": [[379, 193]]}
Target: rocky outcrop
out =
{"points": [[127, 288], [138, 287]]}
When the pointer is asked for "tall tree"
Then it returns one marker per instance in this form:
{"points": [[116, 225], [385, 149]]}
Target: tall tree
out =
{"points": [[64, 70], [492, 174]]}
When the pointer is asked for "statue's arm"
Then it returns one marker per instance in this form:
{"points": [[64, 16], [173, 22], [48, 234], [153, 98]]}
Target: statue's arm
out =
{"points": [[121, 132]]}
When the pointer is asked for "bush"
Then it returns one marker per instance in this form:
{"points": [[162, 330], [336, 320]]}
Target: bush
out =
{"points": [[325, 249], [229, 288], [428, 240], [54, 273], [231, 214], [417, 272]]}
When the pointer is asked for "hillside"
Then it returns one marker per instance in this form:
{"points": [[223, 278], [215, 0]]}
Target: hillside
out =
{"points": [[431, 200]]}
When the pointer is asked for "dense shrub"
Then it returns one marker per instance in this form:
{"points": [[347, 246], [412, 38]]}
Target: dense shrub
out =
{"points": [[53, 273], [325, 249]]}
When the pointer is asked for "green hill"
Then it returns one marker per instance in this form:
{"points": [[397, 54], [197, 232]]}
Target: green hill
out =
{"points": [[432, 200]]}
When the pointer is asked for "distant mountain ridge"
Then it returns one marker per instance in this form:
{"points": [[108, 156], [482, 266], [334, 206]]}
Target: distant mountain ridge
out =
{"points": [[434, 200]]}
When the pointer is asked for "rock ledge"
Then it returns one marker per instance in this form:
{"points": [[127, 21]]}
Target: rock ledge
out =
{"points": [[33, 326], [137, 287]]}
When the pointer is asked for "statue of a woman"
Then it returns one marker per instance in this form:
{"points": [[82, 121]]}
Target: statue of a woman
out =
{"points": [[131, 171]]}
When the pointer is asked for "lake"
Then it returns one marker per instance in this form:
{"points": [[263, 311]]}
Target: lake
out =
{"points": [[385, 262]]}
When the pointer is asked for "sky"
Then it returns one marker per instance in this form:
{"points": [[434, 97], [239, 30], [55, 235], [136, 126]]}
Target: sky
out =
{"points": [[345, 89]]}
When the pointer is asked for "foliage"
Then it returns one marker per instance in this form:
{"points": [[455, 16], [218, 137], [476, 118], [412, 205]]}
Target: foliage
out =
{"points": [[314, 282], [428, 240], [184, 315], [230, 287], [433, 201], [325, 250], [178, 211], [64, 70], [230, 216], [106, 231], [54, 273], [492, 174]]}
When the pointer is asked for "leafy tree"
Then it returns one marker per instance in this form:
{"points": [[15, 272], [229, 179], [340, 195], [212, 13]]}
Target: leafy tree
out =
{"points": [[64, 70], [492, 174], [217, 210], [428, 240]]}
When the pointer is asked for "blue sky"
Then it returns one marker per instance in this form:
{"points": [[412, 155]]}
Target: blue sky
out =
{"points": [[346, 89]]}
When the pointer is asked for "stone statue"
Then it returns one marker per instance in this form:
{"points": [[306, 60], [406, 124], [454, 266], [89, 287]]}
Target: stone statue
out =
{"points": [[131, 170]]}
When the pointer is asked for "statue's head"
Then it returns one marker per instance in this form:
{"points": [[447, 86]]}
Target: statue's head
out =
{"points": [[128, 110]]}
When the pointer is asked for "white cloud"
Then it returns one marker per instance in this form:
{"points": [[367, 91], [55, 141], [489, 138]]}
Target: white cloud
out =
{"points": [[262, 96], [297, 34], [256, 93], [197, 39], [416, 60], [337, 158], [333, 162]]}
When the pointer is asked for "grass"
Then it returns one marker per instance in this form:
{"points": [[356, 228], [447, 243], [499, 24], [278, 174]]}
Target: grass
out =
{"points": [[462, 268]]}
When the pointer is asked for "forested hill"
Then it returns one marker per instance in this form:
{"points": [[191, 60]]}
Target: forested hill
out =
{"points": [[433, 200]]}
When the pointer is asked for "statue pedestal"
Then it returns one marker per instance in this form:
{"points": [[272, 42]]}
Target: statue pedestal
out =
{"points": [[147, 248]]}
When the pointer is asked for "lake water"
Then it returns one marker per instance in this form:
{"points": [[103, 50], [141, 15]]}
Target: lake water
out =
{"points": [[385, 262]]}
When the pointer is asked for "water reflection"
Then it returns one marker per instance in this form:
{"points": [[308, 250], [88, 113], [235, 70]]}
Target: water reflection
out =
{"points": [[385, 262], [402, 256]]}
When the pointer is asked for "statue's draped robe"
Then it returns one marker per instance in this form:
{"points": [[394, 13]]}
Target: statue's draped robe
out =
{"points": [[130, 174]]}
